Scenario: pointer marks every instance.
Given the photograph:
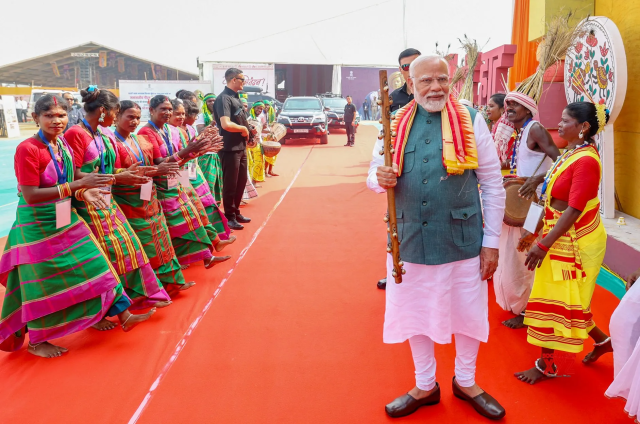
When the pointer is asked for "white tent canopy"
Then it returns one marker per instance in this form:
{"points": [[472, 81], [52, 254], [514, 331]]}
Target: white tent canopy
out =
{"points": [[311, 46], [374, 37]]}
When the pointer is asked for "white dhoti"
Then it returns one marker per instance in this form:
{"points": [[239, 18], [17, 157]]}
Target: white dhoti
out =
{"points": [[625, 339], [437, 301], [432, 303], [512, 281]]}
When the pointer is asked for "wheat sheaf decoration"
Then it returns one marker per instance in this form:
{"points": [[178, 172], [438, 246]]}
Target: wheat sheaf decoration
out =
{"points": [[560, 36], [473, 52]]}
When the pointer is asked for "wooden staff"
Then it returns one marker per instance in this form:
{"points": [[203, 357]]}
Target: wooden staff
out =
{"points": [[390, 218]]}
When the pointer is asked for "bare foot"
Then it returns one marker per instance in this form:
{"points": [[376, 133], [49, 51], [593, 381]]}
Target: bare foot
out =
{"points": [[46, 350], [214, 260], [174, 289], [532, 375], [224, 243], [134, 320], [187, 286], [162, 304], [515, 322], [597, 352], [421, 394], [268, 175], [273, 174], [104, 325], [183, 267]]}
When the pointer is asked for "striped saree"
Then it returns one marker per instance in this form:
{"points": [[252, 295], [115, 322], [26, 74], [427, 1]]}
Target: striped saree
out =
{"points": [[558, 314], [189, 235], [147, 220], [114, 233], [58, 281], [211, 167], [201, 191]]}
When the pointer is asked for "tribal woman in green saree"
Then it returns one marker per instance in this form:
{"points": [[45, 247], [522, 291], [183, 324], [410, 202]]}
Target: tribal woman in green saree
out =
{"points": [[58, 280]]}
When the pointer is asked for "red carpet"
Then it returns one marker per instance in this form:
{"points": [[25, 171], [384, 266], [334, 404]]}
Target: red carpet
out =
{"points": [[294, 334]]}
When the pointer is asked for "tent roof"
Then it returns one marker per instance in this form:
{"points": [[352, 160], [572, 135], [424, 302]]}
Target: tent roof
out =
{"points": [[318, 44], [38, 69]]}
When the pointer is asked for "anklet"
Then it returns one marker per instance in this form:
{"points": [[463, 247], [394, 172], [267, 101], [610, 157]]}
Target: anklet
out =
{"points": [[543, 371], [125, 321], [34, 346], [607, 340]]}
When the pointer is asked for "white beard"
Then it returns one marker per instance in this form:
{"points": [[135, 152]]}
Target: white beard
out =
{"points": [[431, 106]]}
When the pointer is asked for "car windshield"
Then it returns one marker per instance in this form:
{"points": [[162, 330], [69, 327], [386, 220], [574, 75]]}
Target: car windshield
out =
{"points": [[335, 103], [302, 104]]}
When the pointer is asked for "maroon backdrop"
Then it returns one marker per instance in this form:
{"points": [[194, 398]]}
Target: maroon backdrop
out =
{"points": [[358, 82]]}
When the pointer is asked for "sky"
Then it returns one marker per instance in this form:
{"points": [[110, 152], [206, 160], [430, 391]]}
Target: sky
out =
{"points": [[176, 33]]}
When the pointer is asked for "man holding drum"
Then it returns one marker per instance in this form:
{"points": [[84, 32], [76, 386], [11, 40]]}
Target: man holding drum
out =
{"points": [[532, 154]]}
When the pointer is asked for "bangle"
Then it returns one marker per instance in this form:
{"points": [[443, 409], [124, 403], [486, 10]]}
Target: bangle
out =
{"points": [[80, 194], [119, 170], [177, 157], [64, 190], [543, 247], [536, 235]]}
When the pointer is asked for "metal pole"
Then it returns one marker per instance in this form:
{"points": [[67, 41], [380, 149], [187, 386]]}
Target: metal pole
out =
{"points": [[404, 27]]}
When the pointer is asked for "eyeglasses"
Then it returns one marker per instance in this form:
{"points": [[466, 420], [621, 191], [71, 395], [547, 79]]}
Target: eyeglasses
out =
{"points": [[426, 82], [241, 79], [405, 67]]}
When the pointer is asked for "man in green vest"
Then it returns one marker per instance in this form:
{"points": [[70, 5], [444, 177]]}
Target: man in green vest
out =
{"points": [[442, 151]]}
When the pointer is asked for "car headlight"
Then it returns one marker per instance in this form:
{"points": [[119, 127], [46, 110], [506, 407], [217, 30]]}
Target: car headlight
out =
{"points": [[318, 119], [283, 120]]}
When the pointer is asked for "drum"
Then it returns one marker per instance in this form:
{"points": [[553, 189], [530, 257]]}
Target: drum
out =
{"points": [[278, 131], [516, 208], [271, 148], [256, 125]]}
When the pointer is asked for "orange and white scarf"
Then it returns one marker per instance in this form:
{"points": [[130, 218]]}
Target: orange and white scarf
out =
{"points": [[459, 151]]}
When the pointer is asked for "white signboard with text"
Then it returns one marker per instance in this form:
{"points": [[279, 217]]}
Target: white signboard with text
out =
{"points": [[255, 74], [10, 116], [142, 91]]}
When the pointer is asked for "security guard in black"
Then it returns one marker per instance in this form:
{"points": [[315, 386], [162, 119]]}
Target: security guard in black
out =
{"points": [[350, 121]]}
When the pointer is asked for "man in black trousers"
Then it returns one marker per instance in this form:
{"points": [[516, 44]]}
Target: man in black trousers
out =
{"points": [[350, 121], [229, 116]]}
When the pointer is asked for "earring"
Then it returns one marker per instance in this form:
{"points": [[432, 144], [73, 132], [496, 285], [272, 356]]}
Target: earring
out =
{"points": [[581, 135], [101, 119]]}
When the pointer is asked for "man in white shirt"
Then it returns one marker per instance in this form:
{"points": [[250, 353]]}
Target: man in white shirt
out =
{"points": [[21, 109], [443, 150]]}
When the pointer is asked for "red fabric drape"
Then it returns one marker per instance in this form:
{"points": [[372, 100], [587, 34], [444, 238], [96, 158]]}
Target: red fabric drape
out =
{"points": [[525, 62]]}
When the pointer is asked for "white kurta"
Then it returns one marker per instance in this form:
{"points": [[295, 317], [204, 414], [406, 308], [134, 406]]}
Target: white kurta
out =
{"points": [[625, 339], [440, 300]]}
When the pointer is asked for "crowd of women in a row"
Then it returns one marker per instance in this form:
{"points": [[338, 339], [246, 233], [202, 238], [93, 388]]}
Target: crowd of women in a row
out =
{"points": [[107, 219]]}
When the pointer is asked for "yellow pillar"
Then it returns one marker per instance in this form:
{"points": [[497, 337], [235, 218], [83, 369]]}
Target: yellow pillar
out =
{"points": [[626, 15], [542, 11]]}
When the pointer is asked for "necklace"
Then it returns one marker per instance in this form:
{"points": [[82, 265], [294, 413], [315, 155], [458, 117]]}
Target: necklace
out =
{"points": [[557, 164]]}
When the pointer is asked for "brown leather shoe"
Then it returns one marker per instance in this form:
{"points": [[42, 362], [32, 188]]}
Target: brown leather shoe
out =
{"points": [[484, 403], [407, 404]]}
